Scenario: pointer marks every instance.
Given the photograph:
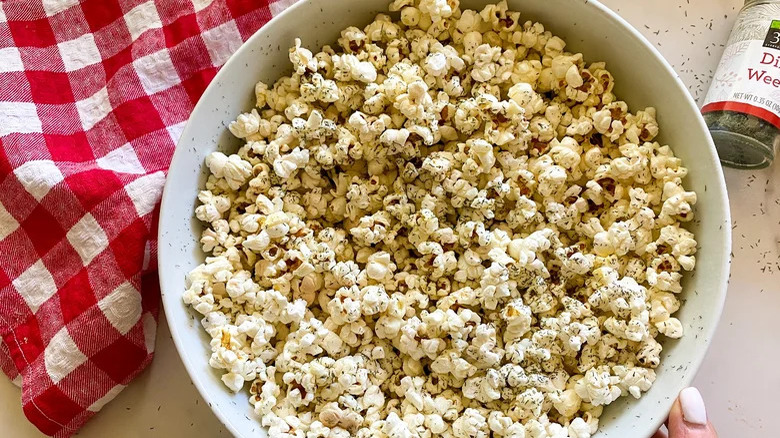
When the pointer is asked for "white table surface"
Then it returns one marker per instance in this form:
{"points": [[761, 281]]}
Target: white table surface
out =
{"points": [[739, 379]]}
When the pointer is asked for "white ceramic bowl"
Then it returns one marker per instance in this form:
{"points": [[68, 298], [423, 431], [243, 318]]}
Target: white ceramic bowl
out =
{"points": [[643, 79]]}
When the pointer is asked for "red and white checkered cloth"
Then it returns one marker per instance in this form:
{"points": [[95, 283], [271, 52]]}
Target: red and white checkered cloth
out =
{"points": [[93, 97]]}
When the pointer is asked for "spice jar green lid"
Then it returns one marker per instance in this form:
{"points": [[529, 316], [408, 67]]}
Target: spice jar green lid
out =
{"points": [[742, 107]]}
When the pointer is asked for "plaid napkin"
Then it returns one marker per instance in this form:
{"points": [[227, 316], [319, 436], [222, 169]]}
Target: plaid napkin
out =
{"points": [[93, 97]]}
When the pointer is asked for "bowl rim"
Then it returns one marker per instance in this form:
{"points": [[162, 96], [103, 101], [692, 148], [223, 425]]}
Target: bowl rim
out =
{"points": [[196, 376]]}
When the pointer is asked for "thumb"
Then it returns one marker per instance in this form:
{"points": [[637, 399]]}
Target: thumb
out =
{"points": [[688, 418]]}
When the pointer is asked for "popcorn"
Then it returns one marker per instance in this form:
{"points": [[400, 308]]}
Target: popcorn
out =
{"points": [[285, 166], [302, 58], [598, 387], [551, 180], [380, 267], [353, 69], [485, 62], [245, 125], [233, 169], [470, 424], [212, 207], [671, 327], [444, 225], [634, 380], [579, 429]]}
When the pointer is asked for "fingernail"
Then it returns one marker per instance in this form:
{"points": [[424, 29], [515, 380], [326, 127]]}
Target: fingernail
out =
{"points": [[693, 406]]}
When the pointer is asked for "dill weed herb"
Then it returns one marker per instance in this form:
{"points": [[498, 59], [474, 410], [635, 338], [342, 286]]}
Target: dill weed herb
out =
{"points": [[743, 140], [742, 107]]}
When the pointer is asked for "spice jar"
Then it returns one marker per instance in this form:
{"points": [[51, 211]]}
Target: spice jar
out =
{"points": [[742, 107]]}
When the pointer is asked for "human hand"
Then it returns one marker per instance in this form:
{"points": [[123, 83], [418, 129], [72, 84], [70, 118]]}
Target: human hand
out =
{"points": [[688, 418]]}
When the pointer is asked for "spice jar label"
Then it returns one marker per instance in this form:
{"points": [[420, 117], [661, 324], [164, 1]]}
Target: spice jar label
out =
{"points": [[772, 39], [748, 77]]}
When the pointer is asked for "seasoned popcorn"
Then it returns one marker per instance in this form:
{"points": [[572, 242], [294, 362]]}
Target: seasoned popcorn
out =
{"points": [[445, 225]]}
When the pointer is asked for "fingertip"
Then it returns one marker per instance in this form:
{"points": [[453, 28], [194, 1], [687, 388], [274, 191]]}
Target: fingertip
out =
{"points": [[677, 423], [692, 405]]}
